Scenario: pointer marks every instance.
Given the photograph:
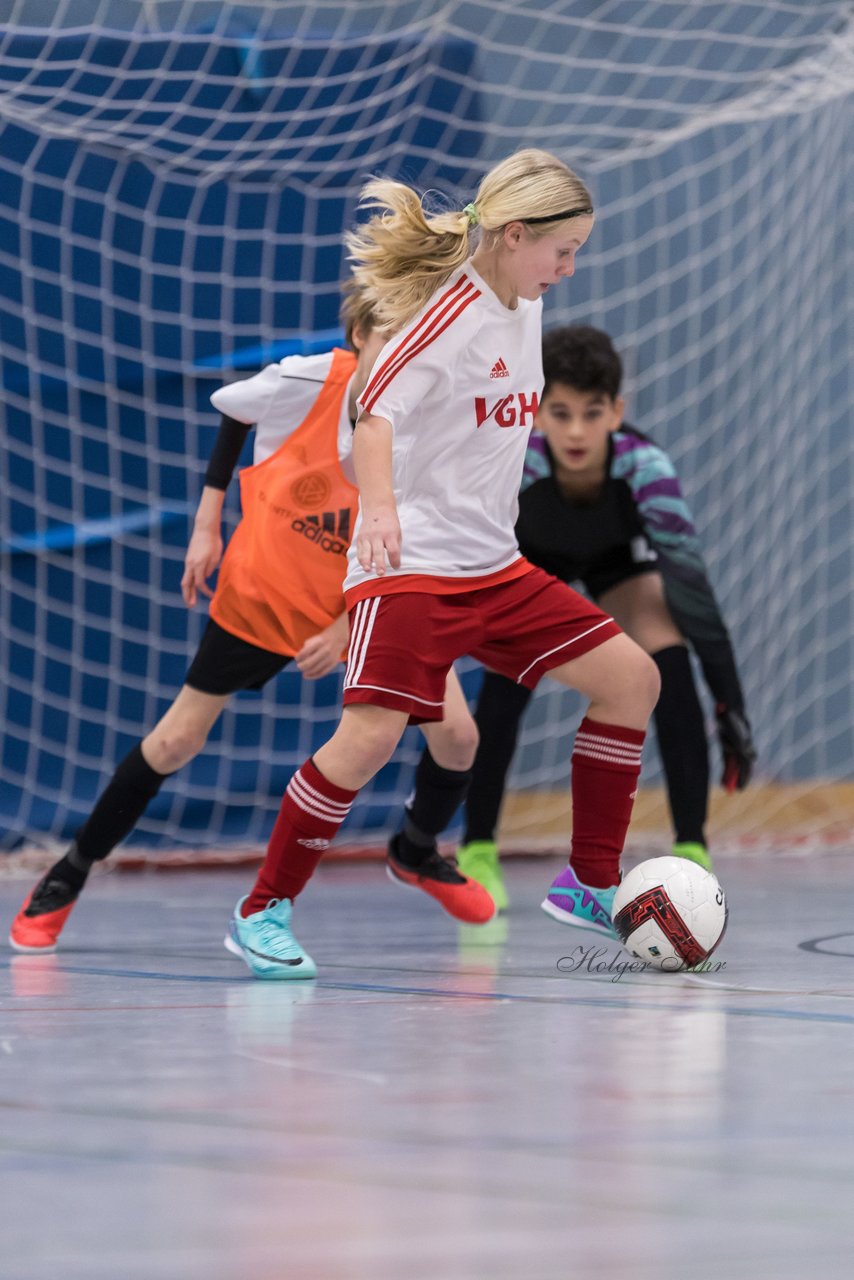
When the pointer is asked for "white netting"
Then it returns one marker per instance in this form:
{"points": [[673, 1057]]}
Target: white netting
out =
{"points": [[174, 179]]}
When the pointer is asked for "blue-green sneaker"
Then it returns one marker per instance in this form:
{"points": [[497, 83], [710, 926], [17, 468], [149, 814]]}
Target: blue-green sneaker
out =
{"points": [[571, 902], [265, 941], [694, 853]]}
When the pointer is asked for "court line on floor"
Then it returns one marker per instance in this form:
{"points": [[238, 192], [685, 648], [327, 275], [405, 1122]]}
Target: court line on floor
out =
{"points": [[814, 946], [712, 984], [594, 1001], [291, 1064], [99, 972], [614, 1001]]}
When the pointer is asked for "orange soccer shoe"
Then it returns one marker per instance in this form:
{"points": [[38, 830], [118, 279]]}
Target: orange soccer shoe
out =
{"points": [[40, 921], [462, 898]]}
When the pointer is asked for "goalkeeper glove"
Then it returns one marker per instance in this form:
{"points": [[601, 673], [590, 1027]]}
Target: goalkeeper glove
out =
{"points": [[737, 749]]}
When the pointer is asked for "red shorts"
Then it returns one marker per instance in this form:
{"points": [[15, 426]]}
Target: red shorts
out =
{"points": [[402, 646]]}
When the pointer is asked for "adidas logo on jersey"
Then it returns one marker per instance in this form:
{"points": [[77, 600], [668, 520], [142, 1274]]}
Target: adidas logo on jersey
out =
{"points": [[499, 369], [326, 532]]}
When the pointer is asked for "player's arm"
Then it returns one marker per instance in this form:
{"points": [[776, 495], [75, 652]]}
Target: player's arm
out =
{"points": [[692, 602], [321, 653], [408, 372], [695, 611], [205, 548], [242, 405], [379, 534]]}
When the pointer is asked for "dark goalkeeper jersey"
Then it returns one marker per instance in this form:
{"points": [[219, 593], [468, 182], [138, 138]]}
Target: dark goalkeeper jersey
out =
{"points": [[586, 541], [640, 520]]}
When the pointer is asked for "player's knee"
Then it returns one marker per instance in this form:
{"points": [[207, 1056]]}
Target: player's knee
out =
{"points": [[364, 741], [646, 681], [453, 745], [167, 750], [377, 743], [632, 688], [465, 741]]}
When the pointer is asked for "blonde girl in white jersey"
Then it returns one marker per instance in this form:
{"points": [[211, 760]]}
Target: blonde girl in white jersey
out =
{"points": [[434, 569]]}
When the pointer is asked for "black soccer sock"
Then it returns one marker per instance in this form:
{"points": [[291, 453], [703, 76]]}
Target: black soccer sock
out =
{"points": [[117, 810], [500, 708], [682, 744], [68, 872], [438, 794]]}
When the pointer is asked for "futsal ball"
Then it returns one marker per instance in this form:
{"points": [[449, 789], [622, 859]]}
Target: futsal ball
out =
{"points": [[670, 913]]}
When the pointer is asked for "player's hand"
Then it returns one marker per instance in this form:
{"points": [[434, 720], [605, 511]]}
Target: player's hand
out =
{"points": [[203, 556], [379, 538], [322, 653], [737, 749]]}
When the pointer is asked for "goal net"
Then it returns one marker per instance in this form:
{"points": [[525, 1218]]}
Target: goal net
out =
{"points": [[174, 181]]}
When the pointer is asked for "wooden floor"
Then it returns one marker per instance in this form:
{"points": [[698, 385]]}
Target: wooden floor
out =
{"points": [[780, 814]]}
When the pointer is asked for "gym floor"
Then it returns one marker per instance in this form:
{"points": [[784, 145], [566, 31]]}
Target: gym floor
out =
{"points": [[443, 1103]]}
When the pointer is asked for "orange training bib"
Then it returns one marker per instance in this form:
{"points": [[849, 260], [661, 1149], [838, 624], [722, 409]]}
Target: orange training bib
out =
{"points": [[280, 581]]}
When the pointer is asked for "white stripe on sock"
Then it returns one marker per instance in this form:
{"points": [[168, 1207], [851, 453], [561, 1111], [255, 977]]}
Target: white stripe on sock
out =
{"points": [[596, 754], [604, 741], [592, 742], [314, 794], [583, 748], [310, 801]]}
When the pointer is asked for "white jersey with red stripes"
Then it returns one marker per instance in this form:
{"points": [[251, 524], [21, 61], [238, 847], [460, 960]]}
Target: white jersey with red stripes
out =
{"points": [[460, 386]]}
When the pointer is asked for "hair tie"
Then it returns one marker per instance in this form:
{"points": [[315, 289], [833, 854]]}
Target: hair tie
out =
{"points": [[471, 213]]}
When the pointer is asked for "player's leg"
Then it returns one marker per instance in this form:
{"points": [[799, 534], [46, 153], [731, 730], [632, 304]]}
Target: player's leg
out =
{"points": [[441, 782], [174, 741], [316, 802], [498, 716], [639, 605], [222, 665], [538, 626], [401, 651], [622, 684]]}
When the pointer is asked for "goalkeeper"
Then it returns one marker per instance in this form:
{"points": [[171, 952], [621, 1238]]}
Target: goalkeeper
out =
{"points": [[601, 504], [278, 599]]}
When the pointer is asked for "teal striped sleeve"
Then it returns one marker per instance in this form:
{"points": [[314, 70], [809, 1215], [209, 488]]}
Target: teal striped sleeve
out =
{"points": [[667, 520]]}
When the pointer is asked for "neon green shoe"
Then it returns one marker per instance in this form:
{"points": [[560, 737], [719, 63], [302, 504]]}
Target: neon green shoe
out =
{"points": [[479, 861], [694, 853]]}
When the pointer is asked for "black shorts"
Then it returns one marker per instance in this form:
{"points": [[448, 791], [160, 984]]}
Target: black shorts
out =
{"points": [[226, 664], [617, 565]]}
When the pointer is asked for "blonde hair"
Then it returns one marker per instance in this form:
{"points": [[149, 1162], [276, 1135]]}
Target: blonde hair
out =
{"points": [[402, 254], [357, 308]]}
